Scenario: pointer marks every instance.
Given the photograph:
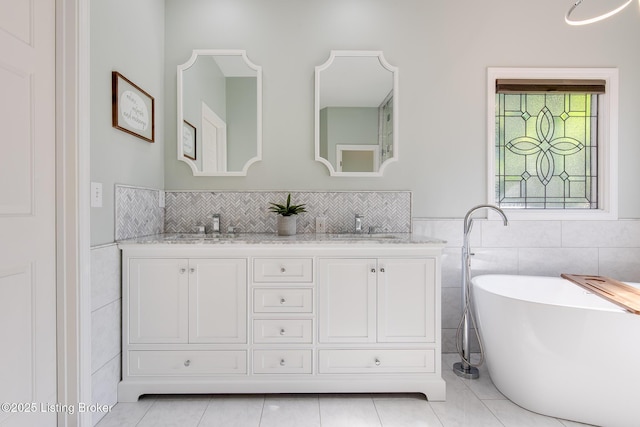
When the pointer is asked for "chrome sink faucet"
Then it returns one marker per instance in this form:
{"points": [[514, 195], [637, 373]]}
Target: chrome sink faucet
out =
{"points": [[215, 224], [358, 223]]}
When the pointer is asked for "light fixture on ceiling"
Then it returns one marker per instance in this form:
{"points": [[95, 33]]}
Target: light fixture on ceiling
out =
{"points": [[597, 18]]}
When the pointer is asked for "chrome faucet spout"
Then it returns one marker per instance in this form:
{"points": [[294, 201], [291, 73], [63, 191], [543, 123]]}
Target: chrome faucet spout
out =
{"points": [[468, 221], [358, 223]]}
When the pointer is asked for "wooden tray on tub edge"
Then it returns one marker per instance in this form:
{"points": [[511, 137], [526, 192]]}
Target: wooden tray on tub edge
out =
{"points": [[612, 290]]}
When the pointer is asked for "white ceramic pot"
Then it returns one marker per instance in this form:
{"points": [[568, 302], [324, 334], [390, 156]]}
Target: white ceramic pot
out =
{"points": [[286, 225]]}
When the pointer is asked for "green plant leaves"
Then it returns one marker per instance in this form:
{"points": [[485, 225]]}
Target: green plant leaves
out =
{"points": [[288, 209]]}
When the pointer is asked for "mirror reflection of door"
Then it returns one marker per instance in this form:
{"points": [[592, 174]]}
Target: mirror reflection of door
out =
{"points": [[214, 141], [219, 92], [357, 158]]}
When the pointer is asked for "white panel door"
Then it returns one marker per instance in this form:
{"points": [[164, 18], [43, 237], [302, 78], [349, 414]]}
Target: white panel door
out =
{"points": [[406, 300], [214, 141], [347, 300], [218, 301], [158, 301], [27, 209]]}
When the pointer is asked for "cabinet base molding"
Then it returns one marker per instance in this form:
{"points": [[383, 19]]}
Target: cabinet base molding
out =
{"points": [[433, 388]]}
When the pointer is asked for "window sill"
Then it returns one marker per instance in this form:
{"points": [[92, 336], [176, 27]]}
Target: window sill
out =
{"points": [[556, 215]]}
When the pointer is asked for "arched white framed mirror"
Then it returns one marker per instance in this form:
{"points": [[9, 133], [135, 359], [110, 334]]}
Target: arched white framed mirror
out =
{"points": [[219, 112], [356, 113]]}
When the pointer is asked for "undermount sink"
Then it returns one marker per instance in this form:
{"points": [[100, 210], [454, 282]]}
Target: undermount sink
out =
{"points": [[358, 236], [198, 237]]}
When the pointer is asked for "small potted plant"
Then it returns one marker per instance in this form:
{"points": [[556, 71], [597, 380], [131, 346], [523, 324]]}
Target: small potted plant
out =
{"points": [[287, 216]]}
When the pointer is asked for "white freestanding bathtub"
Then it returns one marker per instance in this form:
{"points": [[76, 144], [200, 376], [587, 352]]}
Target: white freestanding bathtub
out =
{"points": [[556, 349]]}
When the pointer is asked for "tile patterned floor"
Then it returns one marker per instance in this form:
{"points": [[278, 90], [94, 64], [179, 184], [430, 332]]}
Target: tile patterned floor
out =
{"points": [[470, 403]]}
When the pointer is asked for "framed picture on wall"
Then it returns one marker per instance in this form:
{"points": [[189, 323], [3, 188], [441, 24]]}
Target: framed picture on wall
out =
{"points": [[132, 109], [188, 140]]}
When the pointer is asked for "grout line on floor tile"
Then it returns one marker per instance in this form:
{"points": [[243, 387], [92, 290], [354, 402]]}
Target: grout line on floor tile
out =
{"points": [[319, 411], [375, 407], [147, 411], [490, 411], [264, 400], [205, 410], [436, 414]]}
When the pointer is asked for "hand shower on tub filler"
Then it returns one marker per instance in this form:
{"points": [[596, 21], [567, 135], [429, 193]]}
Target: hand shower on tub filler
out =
{"points": [[465, 368]]}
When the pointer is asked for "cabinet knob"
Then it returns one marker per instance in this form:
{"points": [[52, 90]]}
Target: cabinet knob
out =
{"points": [[282, 331], [192, 270], [373, 270], [187, 363], [378, 362], [282, 363], [382, 270], [283, 270], [183, 270], [282, 300]]}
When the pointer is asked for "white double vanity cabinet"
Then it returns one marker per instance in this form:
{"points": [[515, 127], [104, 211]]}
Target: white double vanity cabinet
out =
{"points": [[263, 314]]}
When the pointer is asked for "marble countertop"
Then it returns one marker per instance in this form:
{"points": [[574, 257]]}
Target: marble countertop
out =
{"points": [[271, 238]]}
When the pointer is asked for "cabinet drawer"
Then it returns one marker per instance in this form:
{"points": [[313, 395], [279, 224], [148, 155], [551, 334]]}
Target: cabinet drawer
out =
{"points": [[187, 362], [375, 361], [283, 300], [282, 361], [282, 331], [283, 270]]}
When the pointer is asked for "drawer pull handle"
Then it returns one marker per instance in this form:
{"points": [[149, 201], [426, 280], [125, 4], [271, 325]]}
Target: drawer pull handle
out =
{"points": [[283, 270], [378, 362], [187, 363], [282, 363], [282, 300], [282, 332]]}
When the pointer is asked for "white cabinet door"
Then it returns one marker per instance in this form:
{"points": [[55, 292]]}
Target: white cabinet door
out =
{"points": [[347, 300], [158, 301], [406, 300], [218, 300]]}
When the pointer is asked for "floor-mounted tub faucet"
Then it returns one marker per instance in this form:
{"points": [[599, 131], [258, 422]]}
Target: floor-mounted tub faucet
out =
{"points": [[464, 368]]}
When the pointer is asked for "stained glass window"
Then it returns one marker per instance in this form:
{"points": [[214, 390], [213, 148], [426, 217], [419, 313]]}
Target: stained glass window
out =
{"points": [[546, 150]]}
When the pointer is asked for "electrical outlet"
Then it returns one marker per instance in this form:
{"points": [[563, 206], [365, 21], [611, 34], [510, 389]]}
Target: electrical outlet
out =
{"points": [[321, 225], [96, 195], [161, 199]]}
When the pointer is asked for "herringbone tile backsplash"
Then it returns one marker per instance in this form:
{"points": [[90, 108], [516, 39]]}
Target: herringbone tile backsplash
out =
{"points": [[138, 214], [249, 211]]}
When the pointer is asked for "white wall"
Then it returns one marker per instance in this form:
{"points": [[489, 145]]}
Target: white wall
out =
{"points": [[442, 50], [128, 37]]}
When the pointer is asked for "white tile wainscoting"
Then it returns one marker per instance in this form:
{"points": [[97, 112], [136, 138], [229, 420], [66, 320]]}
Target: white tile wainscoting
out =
{"points": [[105, 325], [539, 248]]}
